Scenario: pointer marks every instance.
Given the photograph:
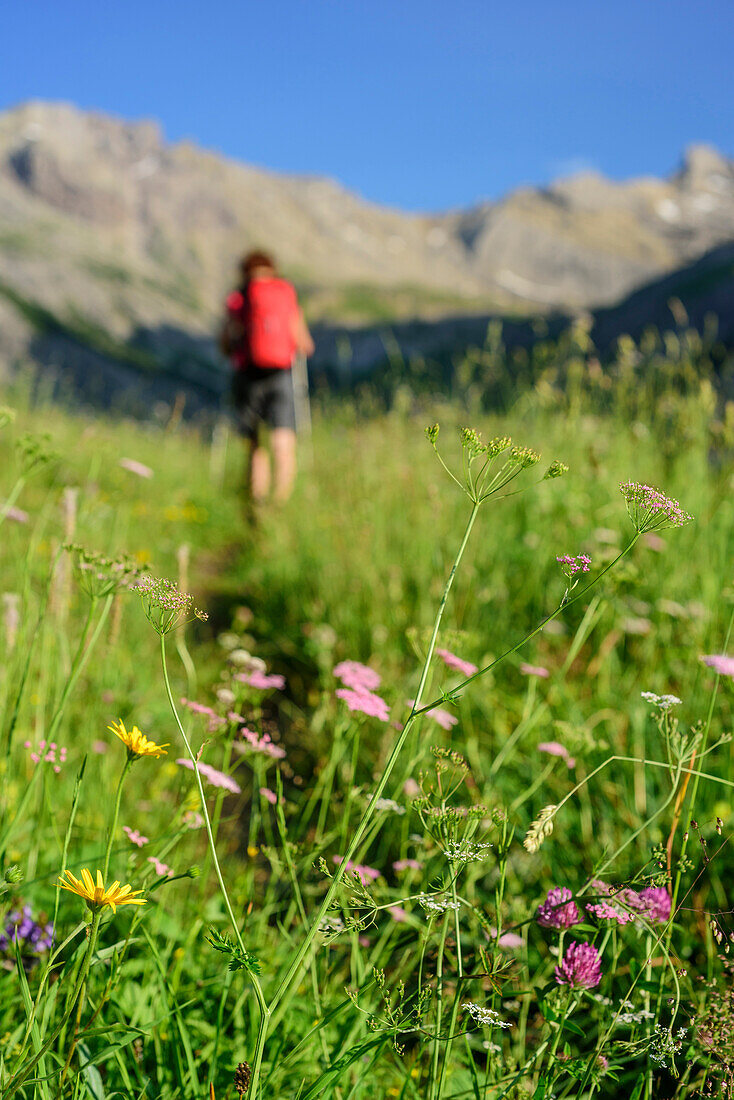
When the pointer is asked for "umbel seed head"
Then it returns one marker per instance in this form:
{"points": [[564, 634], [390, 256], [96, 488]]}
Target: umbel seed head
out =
{"points": [[242, 1078]]}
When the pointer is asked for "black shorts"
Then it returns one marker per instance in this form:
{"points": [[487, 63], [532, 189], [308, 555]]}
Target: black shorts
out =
{"points": [[263, 397]]}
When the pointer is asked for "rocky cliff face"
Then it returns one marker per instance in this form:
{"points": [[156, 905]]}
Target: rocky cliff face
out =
{"points": [[111, 236]]}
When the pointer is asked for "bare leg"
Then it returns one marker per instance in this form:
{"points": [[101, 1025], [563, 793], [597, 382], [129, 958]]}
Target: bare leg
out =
{"points": [[284, 452], [259, 473]]}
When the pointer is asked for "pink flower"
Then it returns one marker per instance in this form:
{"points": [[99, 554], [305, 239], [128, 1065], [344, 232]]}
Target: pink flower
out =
{"points": [[16, 514], [534, 670], [657, 902], [99, 747], [47, 752], [721, 664], [261, 681], [572, 565], [621, 906], [580, 966], [366, 874], [366, 702], [406, 865], [607, 910], [198, 708], [452, 661], [411, 788], [654, 542], [161, 869], [269, 796], [555, 748], [355, 675], [216, 778], [192, 819], [135, 467], [444, 719], [252, 743], [134, 836], [558, 910], [510, 939], [397, 913]]}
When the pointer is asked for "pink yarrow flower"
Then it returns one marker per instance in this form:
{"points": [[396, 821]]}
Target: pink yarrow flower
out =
{"points": [[570, 565], [534, 670], [510, 939], [366, 874], [355, 675], [559, 910], [444, 719], [212, 775], [161, 869], [252, 743], [397, 913], [269, 796], [407, 865], [17, 515], [720, 663], [366, 702], [650, 509], [555, 748], [135, 467], [134, 836], [580, 966], [452, 661], [47, 752], [261, 681]]}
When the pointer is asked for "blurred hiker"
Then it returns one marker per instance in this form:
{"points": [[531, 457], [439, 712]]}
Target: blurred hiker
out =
{"points": [[263, 332]]}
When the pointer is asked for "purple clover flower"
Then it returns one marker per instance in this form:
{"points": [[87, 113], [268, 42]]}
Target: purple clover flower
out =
{"points": [[559, 910], [580, 966], [657, 901]]}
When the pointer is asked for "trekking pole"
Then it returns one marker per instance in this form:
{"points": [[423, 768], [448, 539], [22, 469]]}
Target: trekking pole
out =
{"points": [[299, 377]]}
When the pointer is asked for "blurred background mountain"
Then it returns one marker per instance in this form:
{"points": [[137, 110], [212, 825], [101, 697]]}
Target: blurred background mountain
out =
{"points": [[116, 249]]}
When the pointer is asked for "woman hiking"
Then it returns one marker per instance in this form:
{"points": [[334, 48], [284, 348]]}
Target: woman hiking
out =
{"points": [[263, 330]]}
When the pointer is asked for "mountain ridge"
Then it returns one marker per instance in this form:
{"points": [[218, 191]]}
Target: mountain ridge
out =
{"points": [[132, 240]]}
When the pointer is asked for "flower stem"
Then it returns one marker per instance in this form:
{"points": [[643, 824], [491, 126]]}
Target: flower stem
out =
{"points": [[115, 815]]}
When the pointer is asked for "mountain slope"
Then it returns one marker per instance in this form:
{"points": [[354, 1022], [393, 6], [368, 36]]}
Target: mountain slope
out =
{"points": [[113, 240]]}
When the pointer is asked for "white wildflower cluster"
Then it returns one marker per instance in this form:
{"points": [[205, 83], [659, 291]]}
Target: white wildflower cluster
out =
{"points": [[466, 851], [331, 926], [663, 702], [664, 1044], [629, 1016], [389, 804], [437, 905], [487, 1017]]}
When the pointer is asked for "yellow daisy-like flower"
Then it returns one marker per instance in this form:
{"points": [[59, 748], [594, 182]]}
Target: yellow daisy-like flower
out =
{"points": [[96, 894], [137, 743]]}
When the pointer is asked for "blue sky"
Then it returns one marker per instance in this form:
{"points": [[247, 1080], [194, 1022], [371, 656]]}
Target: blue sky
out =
{"points": [[424, 105]]}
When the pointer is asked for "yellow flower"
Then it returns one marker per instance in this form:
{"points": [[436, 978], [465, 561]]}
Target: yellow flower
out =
{"points": [[96, 896], [137, 743]]}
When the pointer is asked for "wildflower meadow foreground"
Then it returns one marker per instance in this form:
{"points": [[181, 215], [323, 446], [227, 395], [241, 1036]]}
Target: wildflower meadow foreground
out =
{"points": [[427, 797]]}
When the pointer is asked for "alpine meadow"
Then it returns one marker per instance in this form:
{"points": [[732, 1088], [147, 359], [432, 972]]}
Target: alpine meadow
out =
{"points": [[420, 786]]}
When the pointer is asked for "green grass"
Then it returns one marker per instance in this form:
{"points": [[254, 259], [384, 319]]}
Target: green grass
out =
{"points": [[353, 567]]}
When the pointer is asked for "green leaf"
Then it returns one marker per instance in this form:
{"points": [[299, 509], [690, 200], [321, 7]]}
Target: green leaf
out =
{"points": [[238, 959]]}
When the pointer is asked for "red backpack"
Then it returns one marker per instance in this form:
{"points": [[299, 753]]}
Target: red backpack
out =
{"points": [[267, 309]]}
